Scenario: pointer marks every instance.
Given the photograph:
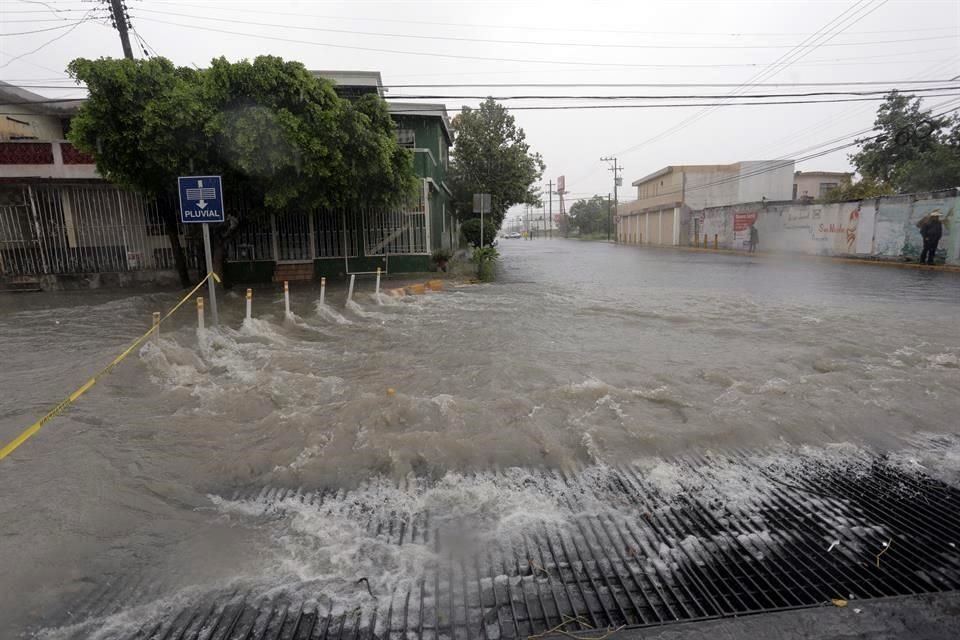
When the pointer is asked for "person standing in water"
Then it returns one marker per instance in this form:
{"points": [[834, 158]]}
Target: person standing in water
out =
{"points": [[754, 238]]}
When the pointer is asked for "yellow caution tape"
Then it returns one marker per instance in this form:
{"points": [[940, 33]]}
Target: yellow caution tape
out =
{"points": [[32, 429]]}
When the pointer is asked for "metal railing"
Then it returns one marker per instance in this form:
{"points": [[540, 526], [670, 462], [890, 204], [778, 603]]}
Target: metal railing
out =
{"points": [[79, 228], [71, 228]]}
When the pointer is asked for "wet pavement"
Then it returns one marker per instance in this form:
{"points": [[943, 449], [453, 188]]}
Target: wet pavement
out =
{"points": [[580, 356]]}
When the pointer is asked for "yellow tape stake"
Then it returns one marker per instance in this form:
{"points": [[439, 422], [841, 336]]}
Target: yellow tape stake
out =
{"points": [[12, 446]]}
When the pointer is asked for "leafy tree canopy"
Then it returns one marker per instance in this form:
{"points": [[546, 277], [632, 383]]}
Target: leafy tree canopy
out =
{"points": [[863, 189], [273, 130], [912, 149], [471, 232], [491, 155], [591, 216]]}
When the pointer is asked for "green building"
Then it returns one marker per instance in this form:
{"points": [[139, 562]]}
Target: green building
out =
{"points": [[310, 244]]}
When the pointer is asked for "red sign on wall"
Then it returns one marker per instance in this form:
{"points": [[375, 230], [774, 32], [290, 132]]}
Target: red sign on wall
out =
{"points": [[742, 221]]}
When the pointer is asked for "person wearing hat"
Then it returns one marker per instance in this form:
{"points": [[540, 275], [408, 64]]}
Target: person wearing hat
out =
{"points": [[931, 230]]}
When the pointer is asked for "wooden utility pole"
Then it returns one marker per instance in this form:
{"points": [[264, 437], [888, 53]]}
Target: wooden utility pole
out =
{"points": [[122, 22]]}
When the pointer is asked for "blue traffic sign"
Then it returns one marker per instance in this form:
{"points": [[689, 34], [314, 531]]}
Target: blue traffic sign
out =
{"points": [[201, 199]]}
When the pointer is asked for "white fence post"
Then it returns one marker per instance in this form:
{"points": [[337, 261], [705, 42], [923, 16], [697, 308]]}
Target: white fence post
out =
{"points": [[200, 313], [353, 277], [249, 303], [377, 291], [286, 296], [323, 289]]}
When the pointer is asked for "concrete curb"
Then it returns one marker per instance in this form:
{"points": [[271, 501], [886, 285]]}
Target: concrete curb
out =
{"points": [[946, 268]]}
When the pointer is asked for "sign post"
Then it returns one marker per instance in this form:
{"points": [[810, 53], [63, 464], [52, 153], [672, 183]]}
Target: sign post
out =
{"points": [[481, 203], [201, 202]]}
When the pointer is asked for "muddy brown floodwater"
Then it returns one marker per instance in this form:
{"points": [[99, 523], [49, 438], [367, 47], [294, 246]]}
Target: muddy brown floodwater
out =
{"points": [[580, 355]]}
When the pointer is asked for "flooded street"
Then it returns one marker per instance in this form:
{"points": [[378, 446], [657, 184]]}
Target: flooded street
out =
{"points": [[580, 357]]}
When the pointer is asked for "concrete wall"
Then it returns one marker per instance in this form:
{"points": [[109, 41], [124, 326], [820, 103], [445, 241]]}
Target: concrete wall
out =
{"points": [[702, 191], [774, 183], [662, 190], [880, 228], [18, 122]]}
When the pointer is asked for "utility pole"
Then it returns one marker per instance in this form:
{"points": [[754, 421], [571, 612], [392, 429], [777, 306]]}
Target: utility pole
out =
{"points": [[550, 196], [121, 22], [608, 217], [617, 181]]}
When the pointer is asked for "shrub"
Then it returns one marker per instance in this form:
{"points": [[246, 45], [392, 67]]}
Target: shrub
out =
{"points": [[471, 232], [486, 260]]}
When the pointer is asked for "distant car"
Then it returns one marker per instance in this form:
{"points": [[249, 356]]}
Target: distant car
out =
{"points": [[514, 235]]}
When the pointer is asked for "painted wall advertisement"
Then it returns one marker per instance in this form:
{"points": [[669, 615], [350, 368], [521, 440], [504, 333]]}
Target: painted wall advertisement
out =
{"points": [[846, 228], [741, 228]]}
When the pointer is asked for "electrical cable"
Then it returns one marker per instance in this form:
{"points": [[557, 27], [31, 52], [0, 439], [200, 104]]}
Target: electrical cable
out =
{"points": [[45, 44], [605, 45], [25, 33], [528, 27], [451, 56], [427, 108]]}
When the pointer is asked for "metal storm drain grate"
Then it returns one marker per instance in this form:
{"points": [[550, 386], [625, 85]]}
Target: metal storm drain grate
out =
{"points": [[684, 540]]}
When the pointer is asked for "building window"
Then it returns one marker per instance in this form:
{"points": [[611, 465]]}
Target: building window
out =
{"points": [[795, 191], [407, 138], [827, 187]]}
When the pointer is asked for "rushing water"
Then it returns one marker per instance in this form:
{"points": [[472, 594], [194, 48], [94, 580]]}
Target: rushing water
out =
{"points": [[579, 356]]}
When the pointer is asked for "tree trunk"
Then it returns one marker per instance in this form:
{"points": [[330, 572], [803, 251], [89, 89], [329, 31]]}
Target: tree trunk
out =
{"points": [[173, 234]]}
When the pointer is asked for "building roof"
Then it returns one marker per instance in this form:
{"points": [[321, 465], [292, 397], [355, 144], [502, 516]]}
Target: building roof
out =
{"points": [[824, 174], [11, 95], [357, 79], [434, 110], [694, 168]]}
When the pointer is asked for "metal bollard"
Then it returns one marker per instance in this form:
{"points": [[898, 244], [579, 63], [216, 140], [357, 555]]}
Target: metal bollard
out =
{"points": [[286, 296], [716, 241], [156, 325], [705, 241], [200, 313], [353, 277], [323, 289], [377, 290], [249, 304]]}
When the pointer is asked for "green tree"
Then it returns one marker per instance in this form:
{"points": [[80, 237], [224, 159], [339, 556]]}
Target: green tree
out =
{"points": [[591, 216], [471, 232], [863, 189], [912, 149], [491, 155], [277, 134]]}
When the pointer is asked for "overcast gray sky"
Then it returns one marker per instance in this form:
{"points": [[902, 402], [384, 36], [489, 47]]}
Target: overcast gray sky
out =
{"points": [[520, 41]]}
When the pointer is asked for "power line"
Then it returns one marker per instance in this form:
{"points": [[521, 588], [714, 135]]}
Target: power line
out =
{"points": [[580, 84], [666, 96], [45, 44], [605, 106], [805, 47], [833, 28], [604, 45], [528, 28], [447, 55], [787, 163], [25, 33]]}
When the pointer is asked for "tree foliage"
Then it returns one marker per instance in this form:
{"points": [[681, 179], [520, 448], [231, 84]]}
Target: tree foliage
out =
{"points": [[912, 149], [491, 155], [471, 231], [591, 216], [863, 189], [276, 133]]}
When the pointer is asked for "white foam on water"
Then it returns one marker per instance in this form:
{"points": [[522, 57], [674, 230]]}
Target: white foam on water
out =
{"points": [[354, 307], [172, 365], [300, 323], [326, 312]]}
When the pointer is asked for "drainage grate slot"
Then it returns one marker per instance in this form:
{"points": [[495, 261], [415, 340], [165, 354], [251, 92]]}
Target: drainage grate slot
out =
{"points": [[633, 552]]}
